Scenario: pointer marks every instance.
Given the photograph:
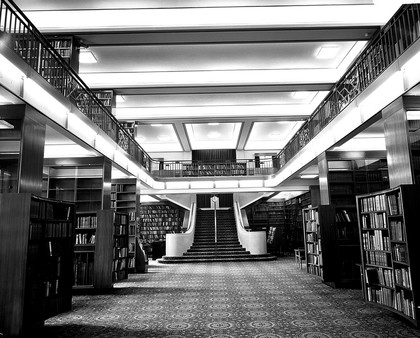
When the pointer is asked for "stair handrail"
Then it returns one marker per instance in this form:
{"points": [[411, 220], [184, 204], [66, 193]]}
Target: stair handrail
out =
{"points": [[192, 218]]}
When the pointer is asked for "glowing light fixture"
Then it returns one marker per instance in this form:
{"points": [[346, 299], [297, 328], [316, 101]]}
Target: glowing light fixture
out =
{"points": [[5, 125], [413, 115], [86, 56], [300, 95], [4, 100], [156, 125], [308, 176], [327, 52]]}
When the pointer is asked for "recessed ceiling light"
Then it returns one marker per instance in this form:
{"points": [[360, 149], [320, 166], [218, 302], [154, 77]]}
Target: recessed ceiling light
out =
{"points": [[327, 52], [5, 125], [86, 56], [120, 98], [300, 95], [213, 134], [413, 115], [164, 137]]}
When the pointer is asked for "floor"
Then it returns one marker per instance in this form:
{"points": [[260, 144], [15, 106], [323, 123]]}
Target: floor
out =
{"points": [[222, 300]]}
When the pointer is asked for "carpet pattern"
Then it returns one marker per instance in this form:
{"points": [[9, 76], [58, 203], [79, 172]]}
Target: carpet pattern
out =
{"points": [[271, 299]]}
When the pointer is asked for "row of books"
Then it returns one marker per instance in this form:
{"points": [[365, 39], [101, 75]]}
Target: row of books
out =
{"points": [[403, 277], [379, 276], [83, 271], [159, 226], [313, 248], [161, 220], [119, 264], [315, 270], [120, 230], [87, 221], [374, 220], [399, 253], [375, 241], [85, 239], [373, 203], [311, 226], [312, 237], [396, 230], [314, 259], [403, 304], [382, 296], [377, 258], [47, 210]]}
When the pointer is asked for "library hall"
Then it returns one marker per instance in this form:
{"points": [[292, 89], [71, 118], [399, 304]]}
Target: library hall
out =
{"points": [[210, 168]]}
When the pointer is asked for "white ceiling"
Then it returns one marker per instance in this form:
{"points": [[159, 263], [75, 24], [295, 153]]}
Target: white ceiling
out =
{"points": [[251, 65]]}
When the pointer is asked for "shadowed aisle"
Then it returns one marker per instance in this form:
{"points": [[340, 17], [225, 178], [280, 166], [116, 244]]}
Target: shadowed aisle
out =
{"points": [[221, 300]]}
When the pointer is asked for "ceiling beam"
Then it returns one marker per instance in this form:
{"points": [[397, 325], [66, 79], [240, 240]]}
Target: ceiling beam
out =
{"points": [[221, 36]]}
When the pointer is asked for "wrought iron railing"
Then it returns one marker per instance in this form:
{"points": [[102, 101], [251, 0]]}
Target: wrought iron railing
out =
{"points": [[243, 167], [402, 30], [24, 38], [394, 38]]}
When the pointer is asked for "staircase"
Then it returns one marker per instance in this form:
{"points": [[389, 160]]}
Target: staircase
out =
{"points": [[206, 249]]}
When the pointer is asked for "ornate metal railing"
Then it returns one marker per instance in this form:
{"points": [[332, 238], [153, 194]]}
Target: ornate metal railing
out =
{"points": [[393, 39], [24, 38], [243, 167]]}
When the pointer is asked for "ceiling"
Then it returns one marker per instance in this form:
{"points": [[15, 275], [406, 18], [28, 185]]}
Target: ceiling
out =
{"points": [[214, 74]]}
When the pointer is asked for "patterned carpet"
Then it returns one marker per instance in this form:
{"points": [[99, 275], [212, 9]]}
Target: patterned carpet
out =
{"points": [[273, 299]]}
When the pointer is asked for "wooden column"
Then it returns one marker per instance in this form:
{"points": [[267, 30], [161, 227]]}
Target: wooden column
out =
{"points": [[324, 191], [397, 140], [27, 140]]}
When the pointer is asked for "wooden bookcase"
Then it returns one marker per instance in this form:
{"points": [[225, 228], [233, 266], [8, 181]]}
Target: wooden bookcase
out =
{"points": [[359, 177], [101, 249], [320, 242], [36, 260], [388, 228], [293, 215], [125, 198]]}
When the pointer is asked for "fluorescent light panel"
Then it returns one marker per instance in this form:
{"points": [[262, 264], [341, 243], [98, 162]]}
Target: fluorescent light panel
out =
{"points": [[86, 56]]}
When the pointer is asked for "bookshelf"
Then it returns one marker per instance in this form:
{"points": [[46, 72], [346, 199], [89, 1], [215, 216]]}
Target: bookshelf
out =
{"points": [[156, 220], [388, 232], [125, 198], [319, 233], [84, 249], [101, 249], [293, 219], [36, 254]]}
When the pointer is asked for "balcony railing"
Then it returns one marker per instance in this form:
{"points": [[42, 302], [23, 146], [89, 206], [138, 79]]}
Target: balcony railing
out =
{"points": [[244, 167], [24, 38], [387, 46]]}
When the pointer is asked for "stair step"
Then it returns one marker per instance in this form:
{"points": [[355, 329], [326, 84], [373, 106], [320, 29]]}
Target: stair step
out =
{"points": [[184, 259]]}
